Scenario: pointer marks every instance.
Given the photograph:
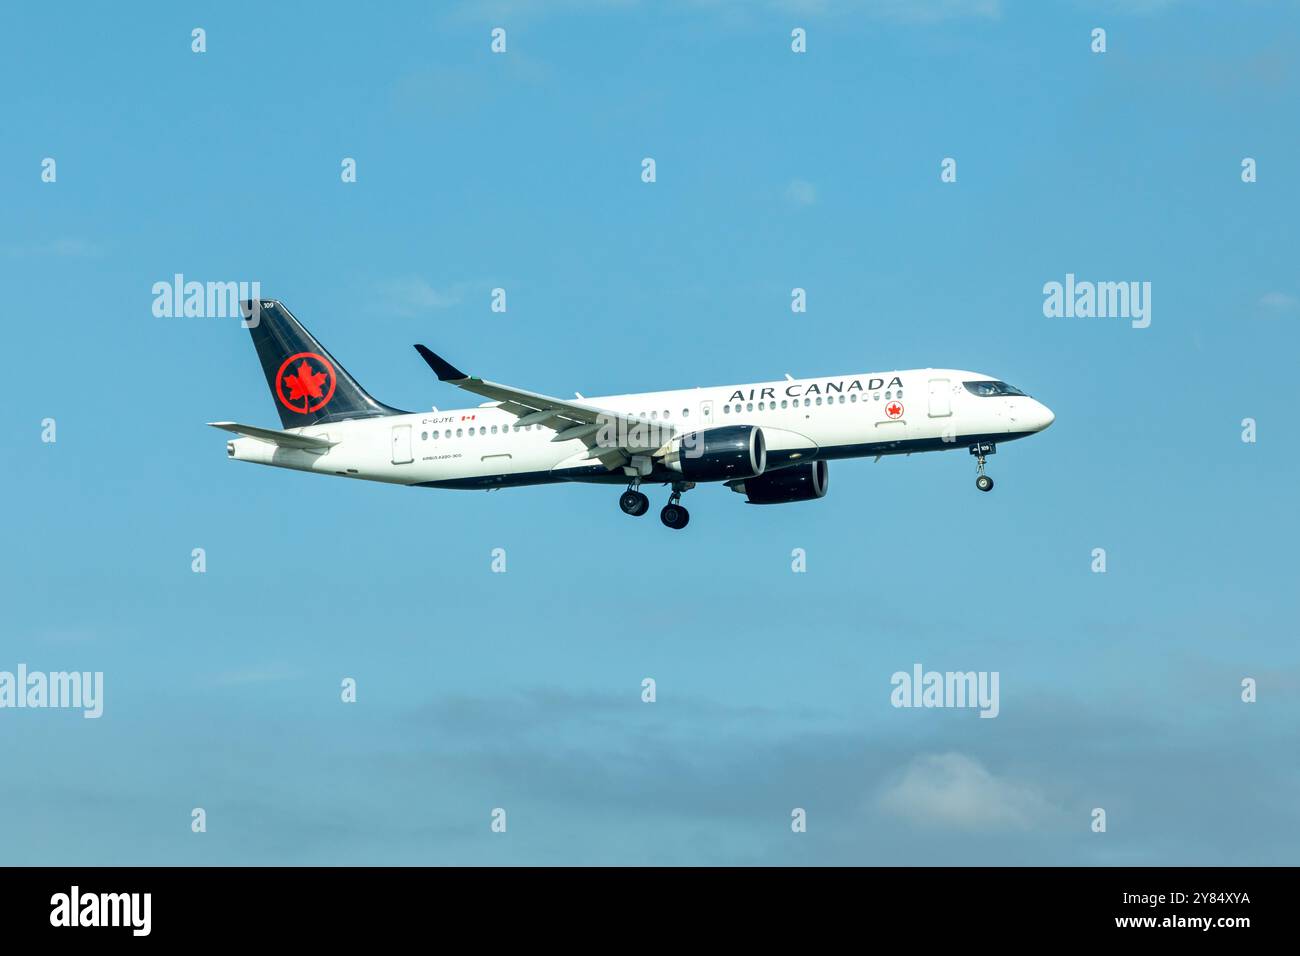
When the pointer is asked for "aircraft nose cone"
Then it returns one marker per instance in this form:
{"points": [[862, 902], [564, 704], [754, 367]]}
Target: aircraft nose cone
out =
{"points": [[1045, 416]]}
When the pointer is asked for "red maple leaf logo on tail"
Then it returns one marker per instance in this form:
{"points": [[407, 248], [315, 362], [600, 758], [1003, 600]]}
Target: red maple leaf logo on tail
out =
{"points": [[304, 384]]}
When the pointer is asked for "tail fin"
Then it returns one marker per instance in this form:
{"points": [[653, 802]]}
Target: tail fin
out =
{"points": [[309, 387]]}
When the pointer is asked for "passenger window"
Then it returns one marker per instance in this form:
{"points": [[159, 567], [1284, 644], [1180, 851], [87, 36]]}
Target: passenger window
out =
{"points": [[819, 399], [749, 407], [424, 436], [458, 432]]}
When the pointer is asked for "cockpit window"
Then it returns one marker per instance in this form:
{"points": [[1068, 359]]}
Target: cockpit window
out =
{"points": [[991, 389]]}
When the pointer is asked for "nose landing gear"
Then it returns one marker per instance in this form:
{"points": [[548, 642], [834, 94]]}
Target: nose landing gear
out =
{"points": [[983, 482]]}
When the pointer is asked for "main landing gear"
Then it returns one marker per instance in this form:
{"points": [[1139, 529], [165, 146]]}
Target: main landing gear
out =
{"points": [[634, 503], [673, 514], [983, 482]]}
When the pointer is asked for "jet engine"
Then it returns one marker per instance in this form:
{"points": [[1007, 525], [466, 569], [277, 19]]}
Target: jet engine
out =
{"points": [[717, 454], [796, 483]]}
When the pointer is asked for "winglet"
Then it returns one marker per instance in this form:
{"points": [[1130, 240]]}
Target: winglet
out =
{"points": [[445, 371]]}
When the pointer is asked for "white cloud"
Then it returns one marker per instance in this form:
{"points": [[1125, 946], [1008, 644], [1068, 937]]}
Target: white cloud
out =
{"points": [[1138, 7], [1278, 302], [957, 791], [801, 192], [412, 296], [257, 675], [61, 248], [901, 11]]}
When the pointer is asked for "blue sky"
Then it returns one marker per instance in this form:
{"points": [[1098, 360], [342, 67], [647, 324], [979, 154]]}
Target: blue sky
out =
{"points": [[774, 170]]}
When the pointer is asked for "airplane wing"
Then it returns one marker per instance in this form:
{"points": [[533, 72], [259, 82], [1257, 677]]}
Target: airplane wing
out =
{"points": [[283, 439], [569, 419]]}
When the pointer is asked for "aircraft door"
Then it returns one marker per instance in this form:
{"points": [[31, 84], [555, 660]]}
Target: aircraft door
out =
{"points": [[940, 397], [402, 444]]}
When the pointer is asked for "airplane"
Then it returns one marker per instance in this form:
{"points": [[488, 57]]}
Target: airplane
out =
{"points": [[769, 441]]}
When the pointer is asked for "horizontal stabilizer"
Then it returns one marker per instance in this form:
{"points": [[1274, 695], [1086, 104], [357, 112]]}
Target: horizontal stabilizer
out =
{"points": [[283, 439]]}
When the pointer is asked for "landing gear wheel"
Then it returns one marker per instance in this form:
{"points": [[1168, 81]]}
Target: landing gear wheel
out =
{"points": [[634, 503], [674, 516], [983, 482]]}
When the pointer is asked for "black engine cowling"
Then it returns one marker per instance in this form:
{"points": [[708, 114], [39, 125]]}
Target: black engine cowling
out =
{"points": [[717, 454], [797, 483]]}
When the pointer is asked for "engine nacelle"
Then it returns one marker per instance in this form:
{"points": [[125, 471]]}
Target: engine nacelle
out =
{"points": [[797, 483], [718, 454]]}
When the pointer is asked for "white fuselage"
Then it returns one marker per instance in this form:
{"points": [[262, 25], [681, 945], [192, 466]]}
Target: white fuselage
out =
{"points": [[877, 413]]}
